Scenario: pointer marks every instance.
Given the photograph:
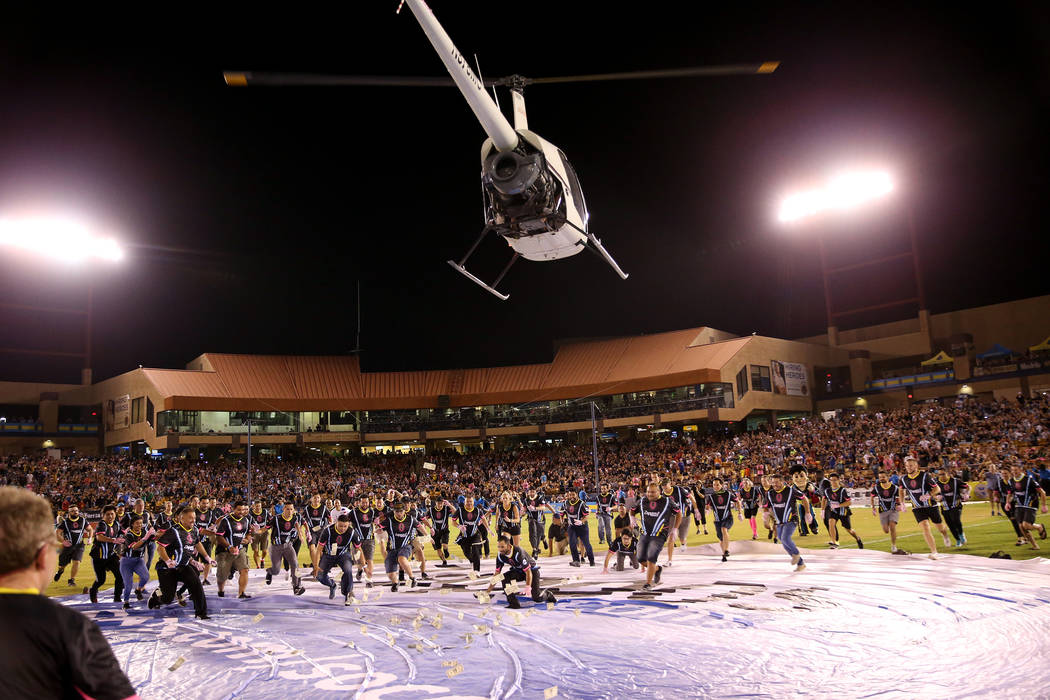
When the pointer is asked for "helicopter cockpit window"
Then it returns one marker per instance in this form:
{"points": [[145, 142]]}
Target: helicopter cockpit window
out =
{"points": [[575, 189]]}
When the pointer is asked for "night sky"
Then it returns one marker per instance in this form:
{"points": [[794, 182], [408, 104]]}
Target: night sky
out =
{"points": [[251, 214]]}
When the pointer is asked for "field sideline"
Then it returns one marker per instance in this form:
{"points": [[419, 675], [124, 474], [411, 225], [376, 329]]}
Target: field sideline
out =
{"points": [[984, 535]]}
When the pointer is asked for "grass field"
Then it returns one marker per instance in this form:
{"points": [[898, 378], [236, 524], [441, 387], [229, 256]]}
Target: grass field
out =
{"points": [[984, 535]]}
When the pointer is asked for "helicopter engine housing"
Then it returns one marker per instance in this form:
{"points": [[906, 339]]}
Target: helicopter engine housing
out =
{"points": [[523, 198]]}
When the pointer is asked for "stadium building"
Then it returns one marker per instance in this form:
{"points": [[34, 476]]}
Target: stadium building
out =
{"points": [[695, 379]]}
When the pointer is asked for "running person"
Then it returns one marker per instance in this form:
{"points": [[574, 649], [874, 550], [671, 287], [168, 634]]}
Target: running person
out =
{"points": [[440, 512], [364, 518], [284, 529], [134, 560], [720, 501], [508, 518], [886, 504], [535, 504], [606, 502], [835, 502], [624, 547], [922, 490], [469, 519], [576, 511], [1022, 493], [658, 513], [258, 517], [177, 564], [784, 504], [231, 549], [72, 530], [105, 554], [749, 499], [316, 516], [954, 492], [402, 529], [338, 544]]}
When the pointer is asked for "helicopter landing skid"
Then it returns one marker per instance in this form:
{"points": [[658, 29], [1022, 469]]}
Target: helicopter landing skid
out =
{"points": [[594, 245], [491, 288]]}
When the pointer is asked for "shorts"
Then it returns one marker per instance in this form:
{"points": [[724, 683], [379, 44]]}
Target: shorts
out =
{"points": [[368, 548], [727, 523], [750, 513], [68, 554], [1023, 515], [440, 538], [889, 516], [649, 548], [259, 540], [933, 514], [844, 520], [393, 555], [231, 562], [514, 530]]}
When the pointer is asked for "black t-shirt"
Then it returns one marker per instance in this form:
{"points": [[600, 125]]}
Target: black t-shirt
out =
{"points": [[517, 559], [233, 530], [335, 543], [363, 521], [556, 532], [657, 515], [73, 530], [48, 650], [618, 546], [887, 496], [622, 521], [180, 543]]}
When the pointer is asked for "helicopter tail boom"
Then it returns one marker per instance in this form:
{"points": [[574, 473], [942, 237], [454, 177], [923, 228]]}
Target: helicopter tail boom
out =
{"points": [[473, 89]]}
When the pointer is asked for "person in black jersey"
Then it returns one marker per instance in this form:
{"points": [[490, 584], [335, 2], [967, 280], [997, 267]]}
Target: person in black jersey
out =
{"points": [[784, 506], [720, 501], [284, 529], [922, 490], [819, 485], [535, 504], [148, 523], [363, 518], [748, 500], [557, 537], [440, 512], [657, 514], [165, 518], [508, 518], [624, 547], [51, 650], [606, 503], [316, 516], [105, 554], [836, 503], [954, 492], [520, 569], [178, 564], [402, 529], [258, 517], [577, 512], [1023, 492], [133, 563], [232, 535], [621, 522], [71, 531], [700, 514], [886, 505], [468, 519], [338, 545]]}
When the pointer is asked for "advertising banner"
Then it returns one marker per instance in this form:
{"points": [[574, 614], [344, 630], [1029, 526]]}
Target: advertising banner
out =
{"points": [[118, 413], [789, 378]]}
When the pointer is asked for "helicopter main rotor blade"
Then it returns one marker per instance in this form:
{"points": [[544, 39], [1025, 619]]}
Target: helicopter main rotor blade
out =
{"points": [[698, 71], [244, 78]]}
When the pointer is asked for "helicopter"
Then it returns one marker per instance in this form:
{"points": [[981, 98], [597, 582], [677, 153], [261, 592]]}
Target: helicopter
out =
{"points": [[532, 196]]}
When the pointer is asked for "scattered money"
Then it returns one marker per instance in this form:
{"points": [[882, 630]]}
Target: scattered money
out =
{"points": [[454, 671], [551, 692], [550, 606], [258, 617], [178, 662]]}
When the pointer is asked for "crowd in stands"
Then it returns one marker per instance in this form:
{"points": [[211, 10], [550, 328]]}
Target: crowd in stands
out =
{"points": [[969, 436]]}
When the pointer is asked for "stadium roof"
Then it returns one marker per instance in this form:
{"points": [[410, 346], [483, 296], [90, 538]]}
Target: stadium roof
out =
{"points": [[223, 382]]}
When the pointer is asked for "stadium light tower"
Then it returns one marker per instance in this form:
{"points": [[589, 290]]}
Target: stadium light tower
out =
{"points": [[842, 193], [66, 240]]}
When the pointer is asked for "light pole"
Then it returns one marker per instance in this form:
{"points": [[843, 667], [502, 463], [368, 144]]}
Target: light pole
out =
{"points": [[248, 421], [594, 445]]}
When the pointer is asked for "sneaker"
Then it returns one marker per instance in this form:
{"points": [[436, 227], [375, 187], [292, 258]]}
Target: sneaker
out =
{"points": [[769, 534], [659, 572], [512, 602], [269, 578], [222, 594], [346, 600], [647, 587], [574, 563], [931, 555], [832, 545], [71, 582], [795, 559], [684, 549], [203, 616], [243, 596], [668, 563], [592, 563], [776, 541], [299, 590], [705, 530], [93, 595], [138, 593], [412, 583], [1042, 531], [58, 575], [359, 573], [205, 582], [393, 587], [963, 537], [424, 575], [549, 597], [947, 543], [331, 590], [127, 605], [902, 551], [368, 584], [860, 543], [725, 556], [444, 564], [154, 601], [800, 567], [181, 599], [754, 537]]}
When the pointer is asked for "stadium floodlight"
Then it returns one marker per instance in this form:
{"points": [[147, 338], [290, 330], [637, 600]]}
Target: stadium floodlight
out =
{"points": [[841, 192], [67, 240]]}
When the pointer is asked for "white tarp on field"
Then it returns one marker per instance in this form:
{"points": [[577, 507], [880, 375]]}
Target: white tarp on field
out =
{"points": [[855, 624]]}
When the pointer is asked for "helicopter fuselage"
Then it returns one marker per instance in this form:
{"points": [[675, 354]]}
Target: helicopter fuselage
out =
{"points": [[533, 198]]}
